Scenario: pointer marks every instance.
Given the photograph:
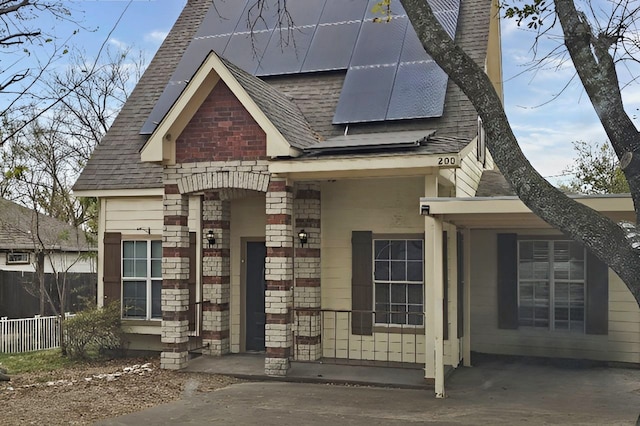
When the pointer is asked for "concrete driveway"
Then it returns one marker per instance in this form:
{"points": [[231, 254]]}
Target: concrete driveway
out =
{"points": [[495, 393]]}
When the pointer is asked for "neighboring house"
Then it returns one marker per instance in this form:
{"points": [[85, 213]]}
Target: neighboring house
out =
{"points": [[31, 242], [271, 203]]}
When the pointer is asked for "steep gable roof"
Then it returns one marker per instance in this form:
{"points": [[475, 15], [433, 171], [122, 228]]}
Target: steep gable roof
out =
{"points": [[275, 113], [116, 163], [21, 227]]}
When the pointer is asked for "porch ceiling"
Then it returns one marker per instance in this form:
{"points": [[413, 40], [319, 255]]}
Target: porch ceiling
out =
{"points": [[510, 212]]}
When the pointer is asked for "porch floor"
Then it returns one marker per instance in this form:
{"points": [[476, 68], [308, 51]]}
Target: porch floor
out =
{"points": [[251, 366]]}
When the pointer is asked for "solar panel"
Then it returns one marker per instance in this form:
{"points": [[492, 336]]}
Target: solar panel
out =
{"points": [[331, 47], [379, 43], [328, 35], [365, 94], [418, 91]]}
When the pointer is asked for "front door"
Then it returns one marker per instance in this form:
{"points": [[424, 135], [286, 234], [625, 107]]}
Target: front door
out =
{"points": [[256, 318]]}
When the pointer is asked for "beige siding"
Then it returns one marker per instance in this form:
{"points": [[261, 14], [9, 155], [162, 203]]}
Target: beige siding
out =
{"points": [[383, 206], [248, 220], [622, 344], [126, 215], [468, 175]]}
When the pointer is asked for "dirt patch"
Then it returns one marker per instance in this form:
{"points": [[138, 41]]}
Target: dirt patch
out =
{"points": [[82, 395]]}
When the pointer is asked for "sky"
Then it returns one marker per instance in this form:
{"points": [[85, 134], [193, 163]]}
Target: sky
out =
{"points": [[544, 122]]}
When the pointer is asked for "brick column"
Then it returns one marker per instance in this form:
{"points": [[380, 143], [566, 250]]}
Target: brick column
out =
{"points": [[308, 346], [216, 271], [175, 279], [279, 278]]}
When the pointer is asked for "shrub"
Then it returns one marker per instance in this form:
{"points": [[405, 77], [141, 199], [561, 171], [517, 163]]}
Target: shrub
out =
{"points": [[94, 331]]}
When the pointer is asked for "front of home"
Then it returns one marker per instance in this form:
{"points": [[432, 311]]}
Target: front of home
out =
{"points": [[264, 203]]}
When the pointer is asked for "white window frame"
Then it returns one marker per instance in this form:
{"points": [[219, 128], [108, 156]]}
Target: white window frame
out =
{"points": [[148, 279], [23, 260], [391, 282], [552, 280]]}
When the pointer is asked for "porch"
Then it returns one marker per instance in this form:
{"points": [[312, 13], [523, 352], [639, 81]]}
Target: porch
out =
{"points": [[251, 367]]}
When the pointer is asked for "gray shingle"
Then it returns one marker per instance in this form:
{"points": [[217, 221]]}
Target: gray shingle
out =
{"points": [[493, 184], [19, 225], [116, 164]]}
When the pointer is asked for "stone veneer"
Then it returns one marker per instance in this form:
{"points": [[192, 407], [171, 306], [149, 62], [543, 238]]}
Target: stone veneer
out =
{"points": [[279, 278], [308, 345], [175, 278]]}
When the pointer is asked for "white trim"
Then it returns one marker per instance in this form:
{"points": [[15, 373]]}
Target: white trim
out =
{"points": [[105, 193]]}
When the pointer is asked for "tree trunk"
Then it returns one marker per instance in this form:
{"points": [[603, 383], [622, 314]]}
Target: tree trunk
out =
{"points": [[599, 234]]}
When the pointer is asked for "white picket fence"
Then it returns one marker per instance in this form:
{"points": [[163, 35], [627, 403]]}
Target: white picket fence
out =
{"points": [[29, 334]]}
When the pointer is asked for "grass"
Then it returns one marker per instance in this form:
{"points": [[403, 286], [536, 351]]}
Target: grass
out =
{"points": [[31, 362]]}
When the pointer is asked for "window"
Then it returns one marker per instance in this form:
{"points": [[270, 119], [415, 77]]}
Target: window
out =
{"points": [[398, 281], [142, 279], [17, 258], [551, 285]]}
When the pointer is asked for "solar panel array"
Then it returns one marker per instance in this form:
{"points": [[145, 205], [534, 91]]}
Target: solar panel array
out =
{"points": [[389, 75]]}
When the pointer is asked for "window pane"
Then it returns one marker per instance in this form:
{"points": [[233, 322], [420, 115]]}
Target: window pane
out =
{"points": [[415, 316], [414, 250], [382, 249], [561, 270], [382, 270], [156, 299], [156, 268], [561, 251], [135, 299], [577, 251], [541, 251], [156, 249], [398, 293], [541, 270], [577, 294], [140, 249], [127, 268], [398, 271], [382, 314], [140, 268], [400, 317], [526, 270], [577, 270], [414, 271], [382, 293], [526, 250], [399, 250], [525, 314], [127, 249], [415, 294]]}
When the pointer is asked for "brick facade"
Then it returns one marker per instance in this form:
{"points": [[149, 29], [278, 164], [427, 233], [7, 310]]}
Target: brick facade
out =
{"points": [[308, 345], [221, 130], [175, 278], [279, 277]]}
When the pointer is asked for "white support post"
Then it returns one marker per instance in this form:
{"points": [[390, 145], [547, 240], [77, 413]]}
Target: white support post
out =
{"points": [[454, 339], [430, 190], [466, 343], [438, 297]]}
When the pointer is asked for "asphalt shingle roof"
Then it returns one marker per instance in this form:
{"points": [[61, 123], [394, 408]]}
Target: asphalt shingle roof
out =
{"points": [[493, 184], [301, 106], [19, 225]]}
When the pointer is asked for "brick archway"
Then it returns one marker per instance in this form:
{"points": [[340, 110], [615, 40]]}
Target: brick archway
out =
{"points": [[255, 181]]}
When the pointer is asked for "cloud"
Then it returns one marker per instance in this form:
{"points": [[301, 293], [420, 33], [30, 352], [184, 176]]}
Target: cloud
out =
{"points": [[118, 43], [155, 36]]}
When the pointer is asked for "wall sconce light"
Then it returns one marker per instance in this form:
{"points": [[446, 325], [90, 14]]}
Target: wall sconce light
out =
{"points": [[302, 235], [211, 238]]}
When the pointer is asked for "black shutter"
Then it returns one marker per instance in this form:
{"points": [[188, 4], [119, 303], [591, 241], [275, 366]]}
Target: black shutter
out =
{"points": [[192, 281], [112, 267], [445, 286], [361, 283], [597, 302], [460, 256], [508, 281]]}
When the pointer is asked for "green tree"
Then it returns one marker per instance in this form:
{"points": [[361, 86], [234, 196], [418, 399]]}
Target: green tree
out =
{"points": [[596, 170]]}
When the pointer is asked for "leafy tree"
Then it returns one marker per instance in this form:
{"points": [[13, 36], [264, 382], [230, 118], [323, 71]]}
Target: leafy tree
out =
{"points": [[595, 42], [596, 170]]}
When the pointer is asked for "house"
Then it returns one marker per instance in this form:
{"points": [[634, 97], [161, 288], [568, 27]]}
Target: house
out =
{"points": [[31, 242], [262, 196]]}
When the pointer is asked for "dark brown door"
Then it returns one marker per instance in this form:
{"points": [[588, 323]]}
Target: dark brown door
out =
{"points": [[256, 318]]}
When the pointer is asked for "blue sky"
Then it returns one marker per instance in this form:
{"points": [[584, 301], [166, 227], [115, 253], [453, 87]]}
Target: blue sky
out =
{"points": [[544, 126]]}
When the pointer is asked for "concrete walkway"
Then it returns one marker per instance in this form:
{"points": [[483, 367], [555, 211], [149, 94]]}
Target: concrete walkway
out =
{"points": [[492, 393]]}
